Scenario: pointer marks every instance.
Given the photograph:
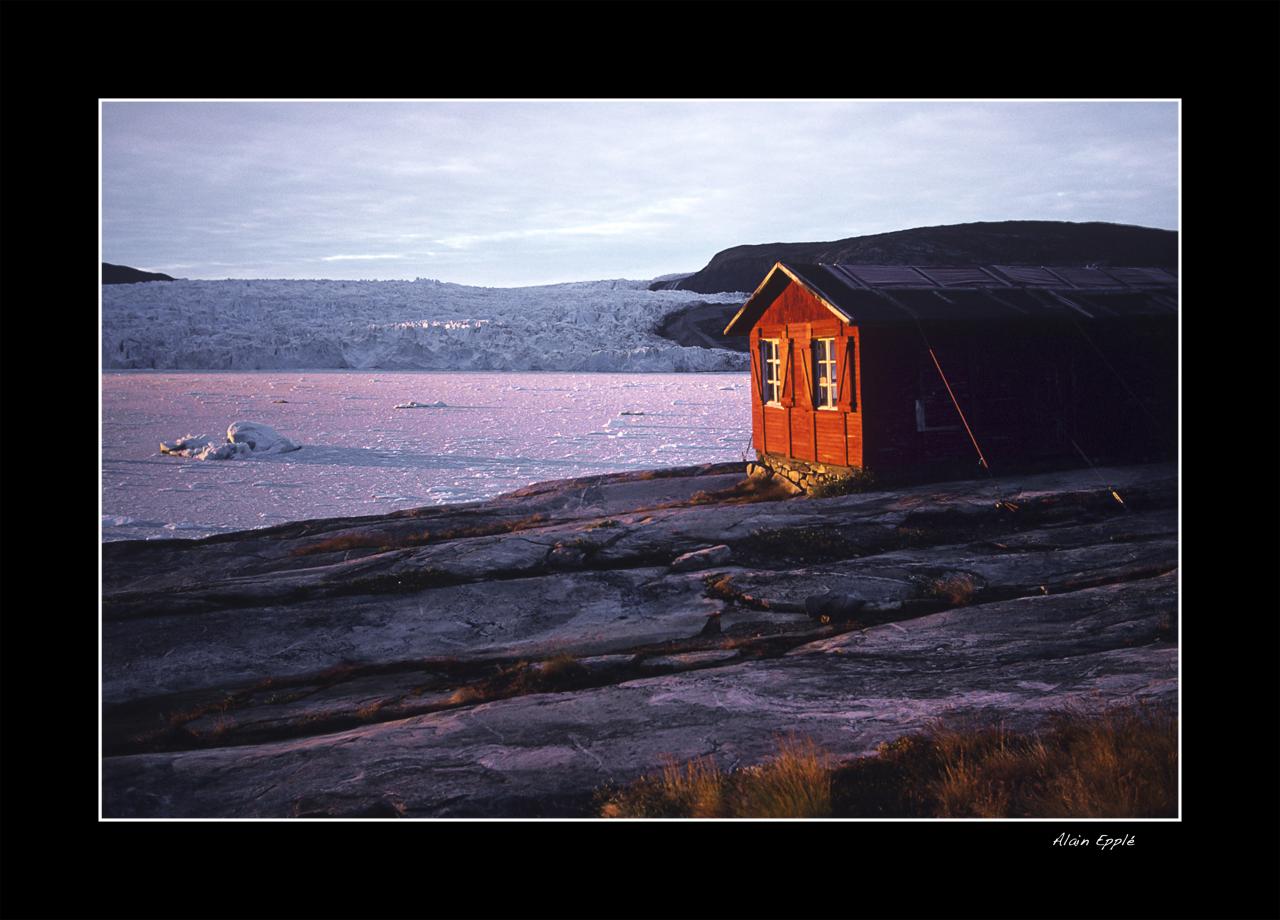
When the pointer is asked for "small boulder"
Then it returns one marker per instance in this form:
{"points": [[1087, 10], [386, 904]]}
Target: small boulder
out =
{"points": [[787, 485], [702, 559]]}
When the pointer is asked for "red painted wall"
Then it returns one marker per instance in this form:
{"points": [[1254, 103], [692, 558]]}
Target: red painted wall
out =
{"points": [[797, 428]]}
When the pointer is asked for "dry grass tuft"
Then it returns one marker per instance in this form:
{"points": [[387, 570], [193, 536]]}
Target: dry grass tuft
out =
{"points": [[1121, 763], [353, 541], [956, 588], [746, 492], [469, 694], [795, 783], [695, 790], [563, 669], [557, 674]]}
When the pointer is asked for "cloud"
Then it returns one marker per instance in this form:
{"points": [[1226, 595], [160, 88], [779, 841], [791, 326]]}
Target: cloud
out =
{"points": [[502, 191], [640, 220], [363, 258]]}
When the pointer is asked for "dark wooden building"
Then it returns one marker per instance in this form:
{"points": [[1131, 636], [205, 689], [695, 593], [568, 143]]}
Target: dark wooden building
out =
{"points": [[904, 368]]}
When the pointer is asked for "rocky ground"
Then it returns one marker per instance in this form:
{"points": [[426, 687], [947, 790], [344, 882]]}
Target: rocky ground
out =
{"points": [[511, 657]]}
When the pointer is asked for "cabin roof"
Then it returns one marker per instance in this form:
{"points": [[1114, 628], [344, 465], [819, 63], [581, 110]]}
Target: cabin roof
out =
{"points": [[892, 294]]}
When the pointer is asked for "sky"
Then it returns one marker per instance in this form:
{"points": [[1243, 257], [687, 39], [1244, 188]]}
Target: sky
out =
{"points": [[537, 192]]}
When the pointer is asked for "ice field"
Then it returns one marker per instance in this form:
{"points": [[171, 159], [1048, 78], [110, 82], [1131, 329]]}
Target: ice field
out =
{"points": [[458, 436]]}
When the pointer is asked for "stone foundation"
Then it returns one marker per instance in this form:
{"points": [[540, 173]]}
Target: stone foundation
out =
{"points": [[803, 474]]}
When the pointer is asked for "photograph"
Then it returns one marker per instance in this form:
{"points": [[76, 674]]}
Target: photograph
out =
{"points": [[641, 460]]}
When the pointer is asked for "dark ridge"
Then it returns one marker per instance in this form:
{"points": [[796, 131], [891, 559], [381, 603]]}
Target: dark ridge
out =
{"points": [[123, 274], [1035, 242]]}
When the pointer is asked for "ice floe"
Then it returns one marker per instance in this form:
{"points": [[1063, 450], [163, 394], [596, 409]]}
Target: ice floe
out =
{"points": [[243, 439]]}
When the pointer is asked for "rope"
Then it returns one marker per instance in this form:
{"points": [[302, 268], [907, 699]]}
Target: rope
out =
{"points": [[982, 460], [1107, 485], [954, 402]]}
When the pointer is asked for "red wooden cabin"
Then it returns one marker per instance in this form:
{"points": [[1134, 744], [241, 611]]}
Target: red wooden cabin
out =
{"points": [[895, 367]]}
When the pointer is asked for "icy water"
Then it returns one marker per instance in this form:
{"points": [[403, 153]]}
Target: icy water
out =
{"points": [[494, 432]]}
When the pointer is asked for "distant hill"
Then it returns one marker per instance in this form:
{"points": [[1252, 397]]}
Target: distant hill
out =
{"points": [[123, 274], [1036, 242]]}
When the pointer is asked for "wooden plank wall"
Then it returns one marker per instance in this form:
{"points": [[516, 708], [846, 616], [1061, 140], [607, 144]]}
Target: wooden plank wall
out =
{"points": [[801, 430], [1027, 392]]}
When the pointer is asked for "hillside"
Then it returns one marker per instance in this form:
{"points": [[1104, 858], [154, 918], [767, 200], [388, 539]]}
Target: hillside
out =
{"points": [[123, 274], [1037, 242]]}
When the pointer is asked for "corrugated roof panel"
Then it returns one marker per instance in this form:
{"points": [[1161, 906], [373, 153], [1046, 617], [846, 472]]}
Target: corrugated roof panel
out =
{"points": [[931, 306], [973, 305], [982, 305], [888, 275], [923, 305], [1123, 304], [1044, 305], [870, 308], [1019, 302], [961, 277], [1142, 276], [1086, 277], [1030, 274], [895, 294]]}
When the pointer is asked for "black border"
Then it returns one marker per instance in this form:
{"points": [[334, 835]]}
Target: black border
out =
{"points": [[59, 58]]}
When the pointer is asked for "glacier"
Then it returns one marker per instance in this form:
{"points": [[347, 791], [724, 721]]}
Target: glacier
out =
{"points": [[399, 325]]}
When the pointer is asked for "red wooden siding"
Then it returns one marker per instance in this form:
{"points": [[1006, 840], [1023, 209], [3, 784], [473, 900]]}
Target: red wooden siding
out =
{"points": [[797, 428], [795, 305], [831, 437]]}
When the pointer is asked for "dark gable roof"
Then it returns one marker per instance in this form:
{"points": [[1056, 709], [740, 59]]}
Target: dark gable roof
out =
{"points": [[887, 294]]}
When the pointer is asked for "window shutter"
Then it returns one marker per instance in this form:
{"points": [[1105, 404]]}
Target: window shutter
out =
{"points": [[757, 369], [848, 369], [810, 372], [788, 379], [844, 379]]}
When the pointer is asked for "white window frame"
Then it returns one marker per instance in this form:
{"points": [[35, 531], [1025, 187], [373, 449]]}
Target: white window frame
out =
{"points": [[772, 365], [826, 375]]}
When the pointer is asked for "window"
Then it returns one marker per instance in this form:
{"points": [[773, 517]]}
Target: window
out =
{"points": [[826, 384], [771, 371], [935, 410]]}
